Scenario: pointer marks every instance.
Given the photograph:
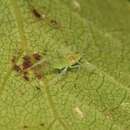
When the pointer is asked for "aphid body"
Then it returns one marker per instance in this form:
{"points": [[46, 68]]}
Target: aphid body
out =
{"points": [[70, 61]]}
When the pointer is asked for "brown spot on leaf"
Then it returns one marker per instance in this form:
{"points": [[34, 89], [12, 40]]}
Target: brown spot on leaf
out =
{"points": [[54, 24], [36, 13], [16, 68], [37, 56], [27, 62], [31, 64]]}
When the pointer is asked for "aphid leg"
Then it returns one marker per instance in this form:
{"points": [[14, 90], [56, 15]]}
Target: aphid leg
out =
{"points": [[76, 66], [64, 71]]}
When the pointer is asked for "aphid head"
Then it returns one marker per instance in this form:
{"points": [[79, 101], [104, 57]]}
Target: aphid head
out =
{"points": [[73, 58]]}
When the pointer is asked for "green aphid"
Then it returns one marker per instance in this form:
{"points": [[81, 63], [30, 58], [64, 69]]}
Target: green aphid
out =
{"points": [[61, 64], [66, 63]]}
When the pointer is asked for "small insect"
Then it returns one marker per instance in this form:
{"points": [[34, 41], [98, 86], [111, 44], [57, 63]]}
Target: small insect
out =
{"points": [[71, 61]]}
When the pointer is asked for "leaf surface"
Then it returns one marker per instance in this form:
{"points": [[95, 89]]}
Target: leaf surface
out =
{"points": [[95, 96]]}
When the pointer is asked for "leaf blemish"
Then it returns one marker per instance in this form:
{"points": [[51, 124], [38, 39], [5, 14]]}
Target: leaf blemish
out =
{"points": [[37, 14], [54, 24], [44, 16], [29, 66], [26, 62], [79, 112], [25, 126], [42, 124]]}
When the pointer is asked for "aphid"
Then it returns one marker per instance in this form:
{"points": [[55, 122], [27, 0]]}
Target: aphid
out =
{"points": [[70, 62]]}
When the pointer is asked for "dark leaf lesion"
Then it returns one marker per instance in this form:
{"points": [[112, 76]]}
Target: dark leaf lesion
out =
{"points": [[43, 15], [29, 65]]}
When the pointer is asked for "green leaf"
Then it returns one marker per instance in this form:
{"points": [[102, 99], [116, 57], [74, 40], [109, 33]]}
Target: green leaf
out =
{"points": [[95, 96]]}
